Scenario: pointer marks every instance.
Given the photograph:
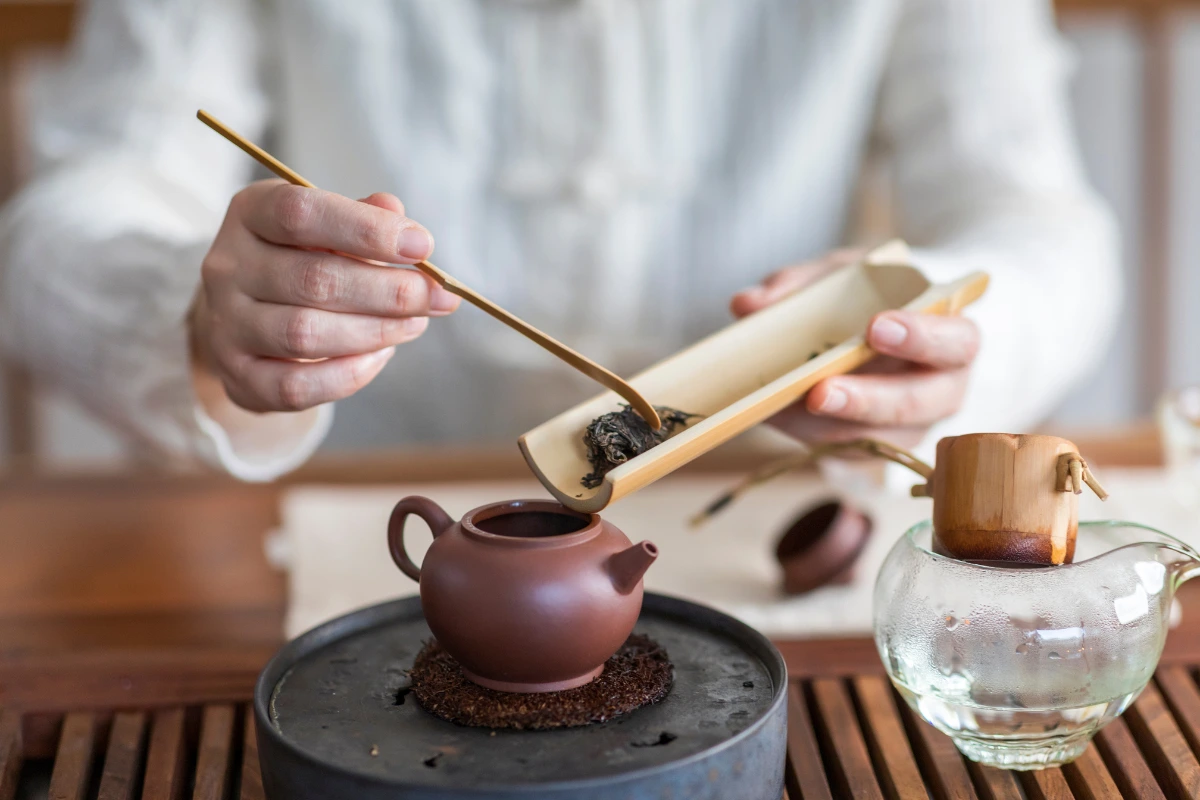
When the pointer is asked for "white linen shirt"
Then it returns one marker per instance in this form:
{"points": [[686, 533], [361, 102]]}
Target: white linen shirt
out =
{"points": [[610, 170]]}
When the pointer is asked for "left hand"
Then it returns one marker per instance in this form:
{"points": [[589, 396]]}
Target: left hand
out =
{"points": [[918, 378]]}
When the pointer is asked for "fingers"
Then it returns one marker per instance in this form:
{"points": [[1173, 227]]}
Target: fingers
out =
{"points": [[298, 216], [906, 400], [286, 319], [385, 201], [323, 280], [271, 385], [279, 331], [779, 285], [938, 342], [800, 424]]}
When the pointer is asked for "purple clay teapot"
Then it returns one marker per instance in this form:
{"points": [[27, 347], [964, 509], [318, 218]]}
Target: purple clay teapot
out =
{"points": [[527, 595]]}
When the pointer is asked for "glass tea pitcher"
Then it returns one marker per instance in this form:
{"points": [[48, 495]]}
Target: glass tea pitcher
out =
{"points": [[1022, 664], [1002, 620]]}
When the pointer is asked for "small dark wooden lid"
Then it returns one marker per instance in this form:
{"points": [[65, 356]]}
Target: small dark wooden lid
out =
{"points": [[821, 546]]}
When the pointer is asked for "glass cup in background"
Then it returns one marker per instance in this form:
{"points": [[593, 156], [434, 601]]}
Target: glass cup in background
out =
{"points": [[1179, 426]]}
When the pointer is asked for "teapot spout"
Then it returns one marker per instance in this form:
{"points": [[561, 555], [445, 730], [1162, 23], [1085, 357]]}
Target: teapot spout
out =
{"points": [[628, 566]]}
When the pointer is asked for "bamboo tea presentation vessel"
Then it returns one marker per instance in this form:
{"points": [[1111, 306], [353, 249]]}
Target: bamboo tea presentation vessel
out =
{"points": [[745, 373]]}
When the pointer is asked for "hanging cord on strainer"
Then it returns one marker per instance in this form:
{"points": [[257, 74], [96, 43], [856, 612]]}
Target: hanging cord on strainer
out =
{"points": [[1073, 473], [812, 454]]}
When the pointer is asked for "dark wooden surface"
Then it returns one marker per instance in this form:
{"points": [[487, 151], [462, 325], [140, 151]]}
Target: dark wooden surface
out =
{"points": [[847, 737], [27, 23], [1132, 6], [125, 591], [125, 577], [205, 752], [137, 610], [854, 737]]}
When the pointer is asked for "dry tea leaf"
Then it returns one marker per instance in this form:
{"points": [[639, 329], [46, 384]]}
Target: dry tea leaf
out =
{"points": [[639, 674], [615, 437]]}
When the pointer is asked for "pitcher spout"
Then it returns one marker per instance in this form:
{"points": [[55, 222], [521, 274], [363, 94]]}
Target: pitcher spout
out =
{"points": [[627, 567], [1180, 558], [1183, 563]]}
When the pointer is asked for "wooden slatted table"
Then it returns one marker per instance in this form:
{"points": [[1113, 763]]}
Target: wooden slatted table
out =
{"points": [[137, 610], [203, 752], [848, 737], [854, 737]]}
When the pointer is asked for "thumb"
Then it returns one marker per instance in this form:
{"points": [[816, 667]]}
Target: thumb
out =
{"points": [[777, 286], [788, 280]]}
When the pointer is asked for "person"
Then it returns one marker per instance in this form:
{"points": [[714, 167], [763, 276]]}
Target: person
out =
{"points": [[613, 171]]}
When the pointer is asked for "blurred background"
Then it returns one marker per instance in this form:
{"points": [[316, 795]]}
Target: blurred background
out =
{"points": [[1136, 100]]}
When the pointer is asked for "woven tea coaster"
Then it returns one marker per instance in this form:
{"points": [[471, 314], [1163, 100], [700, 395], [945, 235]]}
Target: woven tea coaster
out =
{"points": [[639, 674]]}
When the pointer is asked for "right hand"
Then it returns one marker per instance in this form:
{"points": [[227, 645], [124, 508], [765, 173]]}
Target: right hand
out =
{"points": [[287, 317]]}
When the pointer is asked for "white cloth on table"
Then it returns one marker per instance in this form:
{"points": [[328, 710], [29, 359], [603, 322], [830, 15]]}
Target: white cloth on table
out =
{"points": [[335, 543]]}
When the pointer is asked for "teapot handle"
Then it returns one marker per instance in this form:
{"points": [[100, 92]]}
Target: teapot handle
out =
{"points": [[434, 516]]}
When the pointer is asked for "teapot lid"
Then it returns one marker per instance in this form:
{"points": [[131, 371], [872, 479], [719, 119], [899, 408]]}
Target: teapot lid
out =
{"points": [[821, 546]]}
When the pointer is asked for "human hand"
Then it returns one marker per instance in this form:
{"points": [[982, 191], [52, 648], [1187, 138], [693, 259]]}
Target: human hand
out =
{"points": [[918, 378], [288, 316]]}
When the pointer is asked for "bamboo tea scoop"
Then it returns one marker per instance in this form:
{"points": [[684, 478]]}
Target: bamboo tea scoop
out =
{"points": [[604, 377]]}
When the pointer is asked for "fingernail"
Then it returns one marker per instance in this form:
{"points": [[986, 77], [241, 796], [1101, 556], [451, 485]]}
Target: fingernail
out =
{"points": [[442, 300], [415, 243], [888, 333], [755, 294], [835, 400], [384, 355], [415, 326]]}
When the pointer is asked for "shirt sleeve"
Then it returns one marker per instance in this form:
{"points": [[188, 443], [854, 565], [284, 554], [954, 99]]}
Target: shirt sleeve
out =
{"points": [[100, 253], [974, 116]]}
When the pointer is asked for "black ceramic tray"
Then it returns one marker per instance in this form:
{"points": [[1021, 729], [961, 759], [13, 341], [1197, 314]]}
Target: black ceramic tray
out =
{"points": [[335, 722]]}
